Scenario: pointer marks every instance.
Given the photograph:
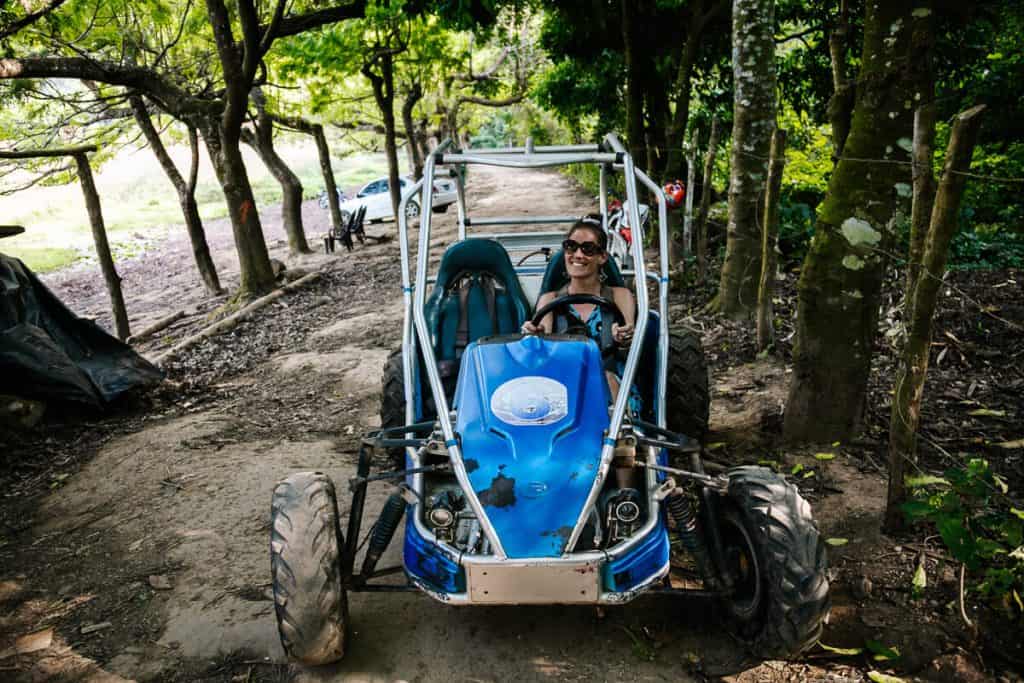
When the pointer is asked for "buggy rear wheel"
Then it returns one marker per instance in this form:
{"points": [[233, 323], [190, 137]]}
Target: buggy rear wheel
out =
{"points": [[305, 552], [687, 400], [392, 403], [778, 562]]}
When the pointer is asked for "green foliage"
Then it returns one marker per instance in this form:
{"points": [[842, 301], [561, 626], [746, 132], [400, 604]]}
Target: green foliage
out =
{"points": [[978, 523]]}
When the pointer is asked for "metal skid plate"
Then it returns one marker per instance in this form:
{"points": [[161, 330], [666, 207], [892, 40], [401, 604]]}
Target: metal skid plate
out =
{"points": [[511, 583]]}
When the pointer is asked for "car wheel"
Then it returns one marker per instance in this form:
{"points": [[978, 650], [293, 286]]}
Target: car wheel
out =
{"points": [[412, 210], [441, 209], [688, 400], [392, 403], [306, 545], [777, 557]]}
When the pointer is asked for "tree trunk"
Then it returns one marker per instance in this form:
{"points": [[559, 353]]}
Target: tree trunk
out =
{"points": [[681, 116], [186, 193], [840, 105], [99, 236], [841, 280], [705, 202], [769, 238], [906, 405], [691, 179], [414, 95], [924, 192], [634, 85], [384, 93], [753, 122], [324, 154], [255, 274]]}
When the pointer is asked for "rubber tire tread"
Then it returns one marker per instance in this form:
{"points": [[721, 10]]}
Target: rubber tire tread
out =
{"points": [[305, 551], [392, 403], [688, 398], [793, 558]]}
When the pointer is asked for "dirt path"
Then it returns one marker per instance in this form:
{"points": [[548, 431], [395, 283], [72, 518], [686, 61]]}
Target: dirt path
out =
{"points": [[161, 537]]}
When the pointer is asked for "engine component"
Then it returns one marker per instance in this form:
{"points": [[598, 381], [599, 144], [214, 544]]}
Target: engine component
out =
{"points": [[442, 513], [622, 514], [683, 512], [383, 532]]}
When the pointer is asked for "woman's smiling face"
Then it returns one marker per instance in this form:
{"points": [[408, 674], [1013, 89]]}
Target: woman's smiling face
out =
{"points": [[578, 264]]}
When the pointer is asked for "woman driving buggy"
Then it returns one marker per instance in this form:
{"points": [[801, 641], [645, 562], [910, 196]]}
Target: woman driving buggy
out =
{"points": [[585, 249]]}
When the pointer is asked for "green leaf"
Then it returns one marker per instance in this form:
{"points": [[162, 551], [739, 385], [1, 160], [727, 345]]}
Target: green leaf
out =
{"points": [[916, 509], [926, 480], [715, 446], [1017, 513], [837, 542], [882, 653], [920, 580], [956, 538], [846, 651], [1001, 483], [808, 474], [824, 456], [879, 677], [987, 412], [797, 469]]}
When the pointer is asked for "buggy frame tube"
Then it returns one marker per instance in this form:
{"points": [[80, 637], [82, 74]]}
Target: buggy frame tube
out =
{"points": [[531, 161], [621, 400], [663, 282], [434, 377], [541, 148], [602, 195], [522, 220], [460, 203], [408, 339]]}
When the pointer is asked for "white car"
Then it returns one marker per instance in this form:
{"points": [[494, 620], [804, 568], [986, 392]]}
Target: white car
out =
{"points": [[377, 199]]}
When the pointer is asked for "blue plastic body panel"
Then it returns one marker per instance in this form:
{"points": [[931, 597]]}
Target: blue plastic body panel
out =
{"points": [[647, 558], [532, 479], [427, 563]]}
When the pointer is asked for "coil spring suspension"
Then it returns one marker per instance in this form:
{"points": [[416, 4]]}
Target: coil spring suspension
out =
{"points": [[683, 512], [383, 532]]}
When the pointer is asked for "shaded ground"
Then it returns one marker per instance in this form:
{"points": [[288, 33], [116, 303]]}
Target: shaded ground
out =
{"points": [[156, 521]]}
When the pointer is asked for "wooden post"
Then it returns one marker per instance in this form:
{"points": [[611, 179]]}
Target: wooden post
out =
{"points": [[705, 203], [910, 376], [99, 236], [769, 238], [691, 177]]}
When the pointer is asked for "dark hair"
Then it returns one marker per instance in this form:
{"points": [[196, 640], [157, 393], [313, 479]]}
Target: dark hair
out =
{"points": [[591, 222]]}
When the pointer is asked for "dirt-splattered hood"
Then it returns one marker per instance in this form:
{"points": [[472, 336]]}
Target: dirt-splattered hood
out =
{"points": [[531, 416]]}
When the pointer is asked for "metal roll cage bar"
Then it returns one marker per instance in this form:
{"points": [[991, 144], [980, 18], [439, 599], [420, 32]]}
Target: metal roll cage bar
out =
{"points": [[609, 155]]}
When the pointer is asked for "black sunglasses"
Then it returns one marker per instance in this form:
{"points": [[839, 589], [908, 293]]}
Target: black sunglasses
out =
{"points": [[588, 248]]}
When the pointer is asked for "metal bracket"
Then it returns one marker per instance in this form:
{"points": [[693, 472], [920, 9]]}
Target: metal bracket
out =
{"points": [[356, 482], [719, 484]]}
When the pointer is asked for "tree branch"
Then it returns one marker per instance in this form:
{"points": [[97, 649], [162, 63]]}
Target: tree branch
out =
{"points": [[30, 18]]}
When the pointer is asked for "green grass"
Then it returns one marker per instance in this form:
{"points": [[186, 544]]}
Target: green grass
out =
{"points": [[140, 204]]}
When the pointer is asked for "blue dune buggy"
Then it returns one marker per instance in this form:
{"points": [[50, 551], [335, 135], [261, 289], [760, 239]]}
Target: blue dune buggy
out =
{"points": [[519, 480]]}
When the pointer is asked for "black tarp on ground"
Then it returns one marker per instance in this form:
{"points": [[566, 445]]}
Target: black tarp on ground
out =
{"points": [[49, 354]]}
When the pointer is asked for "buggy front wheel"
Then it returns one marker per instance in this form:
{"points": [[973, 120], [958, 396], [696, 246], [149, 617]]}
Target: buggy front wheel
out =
{"points": [[777, 561], [306, 545], [687, 398]]}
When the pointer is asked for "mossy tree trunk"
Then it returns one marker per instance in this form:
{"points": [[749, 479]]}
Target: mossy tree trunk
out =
{"points": [[909, 388], [753, 69], [412, 97], [840, 283], [632, 52], [769, 240]]}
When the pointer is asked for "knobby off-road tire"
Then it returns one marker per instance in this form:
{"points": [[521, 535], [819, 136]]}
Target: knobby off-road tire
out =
{"points": [[305, 551], [687, 400], [773, 546], [392, 403]]}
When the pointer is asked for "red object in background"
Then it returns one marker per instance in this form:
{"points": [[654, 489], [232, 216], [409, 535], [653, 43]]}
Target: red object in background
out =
{"points": [[614, 205], [675, 193], [627, 234]]}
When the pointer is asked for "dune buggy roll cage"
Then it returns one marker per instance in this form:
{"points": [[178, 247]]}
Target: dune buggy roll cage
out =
{"points": [[609, 155]]}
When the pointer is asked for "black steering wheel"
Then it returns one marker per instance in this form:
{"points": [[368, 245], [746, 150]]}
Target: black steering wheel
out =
{"points": [[566, 301]]}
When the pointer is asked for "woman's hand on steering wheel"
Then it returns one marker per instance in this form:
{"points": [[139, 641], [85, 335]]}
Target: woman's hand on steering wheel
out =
{"points": [[529, 327], [622, 334]]}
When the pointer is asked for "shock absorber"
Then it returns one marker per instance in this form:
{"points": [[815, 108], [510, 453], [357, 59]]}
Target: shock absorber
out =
{"points": [[383, 532], [681, 507]]}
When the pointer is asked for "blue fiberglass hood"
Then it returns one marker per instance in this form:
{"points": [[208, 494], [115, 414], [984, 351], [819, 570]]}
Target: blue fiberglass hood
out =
{"points": [[532, 415]]}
